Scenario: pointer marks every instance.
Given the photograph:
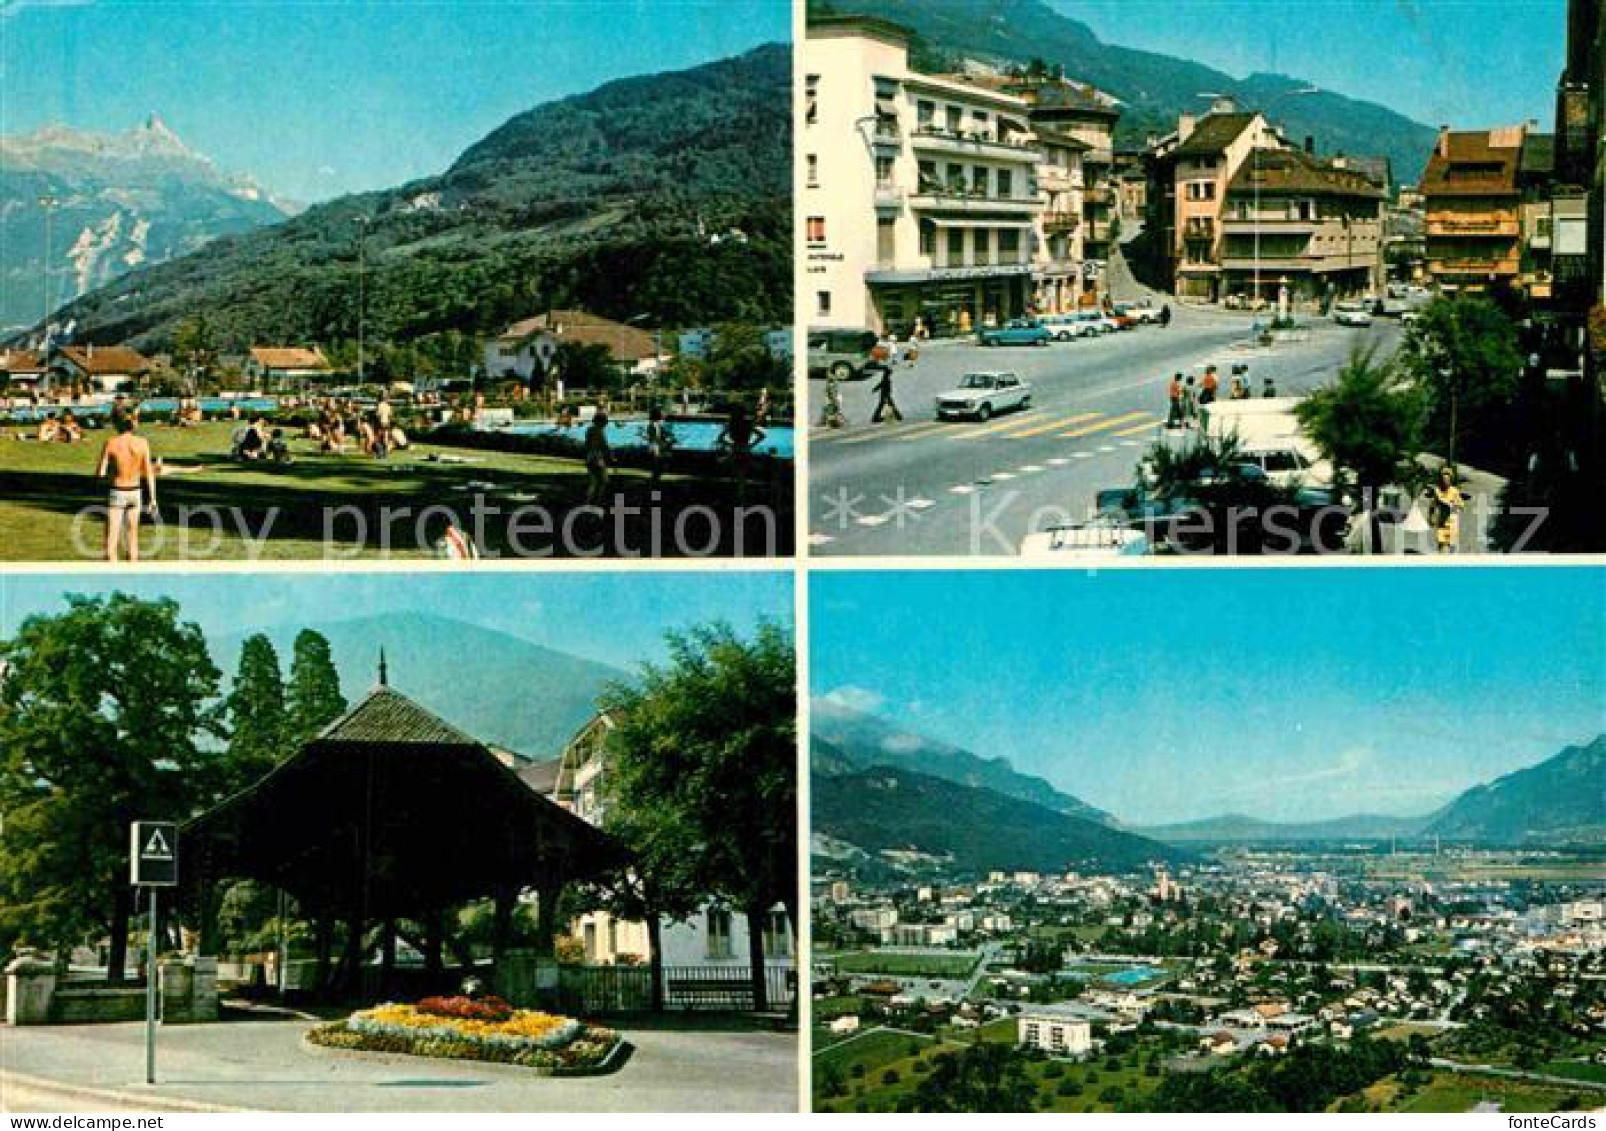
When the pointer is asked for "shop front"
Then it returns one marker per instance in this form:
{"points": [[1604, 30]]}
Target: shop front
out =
{"points": [[948, 301]]}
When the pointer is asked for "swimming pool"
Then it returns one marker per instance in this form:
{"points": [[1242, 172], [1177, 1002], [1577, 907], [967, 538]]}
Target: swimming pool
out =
{"points": [[152, 404], [1131, 976], [687, 435]]}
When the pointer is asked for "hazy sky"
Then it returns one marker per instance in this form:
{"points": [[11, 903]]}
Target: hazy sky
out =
{"points": [[319, 97], [1165, 695], [1464, 62], [618, 618]]}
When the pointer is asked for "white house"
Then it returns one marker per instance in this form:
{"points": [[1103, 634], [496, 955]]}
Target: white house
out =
{"points": [[527, 347], [279, 365], [714, 937]]}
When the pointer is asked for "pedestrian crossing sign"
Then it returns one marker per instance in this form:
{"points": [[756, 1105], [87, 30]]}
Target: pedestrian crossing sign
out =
{"points": [[153, 854]]}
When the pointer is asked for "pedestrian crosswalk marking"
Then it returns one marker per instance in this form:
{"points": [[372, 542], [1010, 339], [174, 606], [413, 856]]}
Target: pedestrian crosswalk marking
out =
{"points": [[820, 539], [1082, 455], [1058, 461], [1147, 426], [871, 520], [962, 489], [921, 431], [1106, 425], [1000, 426], [1038, 429], [1003, 475]]}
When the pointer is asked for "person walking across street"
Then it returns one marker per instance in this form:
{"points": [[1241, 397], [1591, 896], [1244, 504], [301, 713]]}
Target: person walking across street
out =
{"points": [[1190, 404], [885, 405], [1269, 389], [1173, 412], [1165, 315], [1208, 386]]}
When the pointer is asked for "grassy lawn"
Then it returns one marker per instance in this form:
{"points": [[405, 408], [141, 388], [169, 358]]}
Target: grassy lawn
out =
{"points": [[212, 508], [870, 1051], [907, 965], [1458, 1092], [1575, 1070], [1405, 1031]]}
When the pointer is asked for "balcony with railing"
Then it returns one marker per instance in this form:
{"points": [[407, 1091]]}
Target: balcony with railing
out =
{"points": [[1475, 265], [1495, 224], [888, 197], [1199, 229], [962, 199], [1060, 223], [937, 139], [1052, 178], [1248, 225]]}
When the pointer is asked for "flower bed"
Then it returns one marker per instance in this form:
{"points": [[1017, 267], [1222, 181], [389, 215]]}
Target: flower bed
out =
{"points": [[463, 1028]]}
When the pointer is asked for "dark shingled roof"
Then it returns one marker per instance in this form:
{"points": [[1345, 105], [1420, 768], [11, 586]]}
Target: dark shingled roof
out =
{"points": [[390, 717], [1295, 171], [1214, 133], [1469, 163]]}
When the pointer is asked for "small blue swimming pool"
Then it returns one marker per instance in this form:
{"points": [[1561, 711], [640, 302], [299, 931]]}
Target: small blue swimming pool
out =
{"points": [[687, 435]]}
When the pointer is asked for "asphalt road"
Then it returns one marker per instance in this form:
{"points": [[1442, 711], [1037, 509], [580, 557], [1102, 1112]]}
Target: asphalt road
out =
{"points": [[925, 487]]}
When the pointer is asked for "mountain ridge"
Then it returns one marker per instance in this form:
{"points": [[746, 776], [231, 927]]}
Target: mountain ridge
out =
{"points": [[886, 811], [1153, 87], [616, 200], [500, 688]]}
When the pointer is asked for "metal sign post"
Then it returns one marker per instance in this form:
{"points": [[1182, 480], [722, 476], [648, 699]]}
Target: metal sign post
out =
{"points": [[152, 864]]}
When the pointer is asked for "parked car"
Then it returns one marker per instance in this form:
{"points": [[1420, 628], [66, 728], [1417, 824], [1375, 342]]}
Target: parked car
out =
{"points": [[1101, 322], [847, 355], [1288, 463], [1068, 327], [1016, 332], [1352, 314], [982, 394], [1142, 312]]}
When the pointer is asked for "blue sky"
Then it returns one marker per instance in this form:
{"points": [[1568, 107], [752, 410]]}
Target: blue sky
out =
{"points": [[1289, 694], [618, 618], [1463, 62], [319, 97]]}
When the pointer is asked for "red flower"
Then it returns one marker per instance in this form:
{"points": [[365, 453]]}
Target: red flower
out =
{"points": [[492, 1009]]}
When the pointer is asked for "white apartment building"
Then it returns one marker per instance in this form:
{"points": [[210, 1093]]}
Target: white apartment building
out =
{"points": [[1054, 1032], [919, 200]]}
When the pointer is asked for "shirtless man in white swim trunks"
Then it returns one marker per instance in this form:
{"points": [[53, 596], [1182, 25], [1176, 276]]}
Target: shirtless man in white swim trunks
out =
{"points": [[127, 458]]}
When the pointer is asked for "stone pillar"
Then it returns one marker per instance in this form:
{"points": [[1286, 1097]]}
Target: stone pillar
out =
{"points": [[188, 989], [30, 984]]}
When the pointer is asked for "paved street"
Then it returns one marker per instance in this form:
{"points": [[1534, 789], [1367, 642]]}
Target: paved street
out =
{"points": [[963, 487], [263, 1065]]}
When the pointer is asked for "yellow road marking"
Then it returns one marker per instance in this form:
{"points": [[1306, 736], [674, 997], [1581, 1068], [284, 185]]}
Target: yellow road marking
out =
{"points": [[1106, 425], [1039, 429]]}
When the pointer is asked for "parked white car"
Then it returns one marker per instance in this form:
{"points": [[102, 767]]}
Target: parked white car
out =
{"points": [[1351, 314], [1098, 538], [981, 395], [1067, 327], [1288, 462]]}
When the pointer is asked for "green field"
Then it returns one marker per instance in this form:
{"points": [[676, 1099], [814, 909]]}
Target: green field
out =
{"points": [[1458, 1092], [902, 964], [276, 511], [868, 1051], [1575, 1070]]}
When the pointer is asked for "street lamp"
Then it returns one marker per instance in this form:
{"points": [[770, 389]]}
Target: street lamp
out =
{"points": [[49, 204], [1254, 167]]}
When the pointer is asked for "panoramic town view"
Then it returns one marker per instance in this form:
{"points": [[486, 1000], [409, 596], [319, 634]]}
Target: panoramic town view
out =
{"points": [[1356, 863], [343, 284], [419, 850], [1090, 279]]}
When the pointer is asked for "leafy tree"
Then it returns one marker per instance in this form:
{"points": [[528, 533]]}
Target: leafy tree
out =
{"points": [[1229, 504], [1464, 352], [583, 366], [983, 1077], [105, 715], [259, 721], [1368, 424], [314, 699], [195, 346], [704, 761]]}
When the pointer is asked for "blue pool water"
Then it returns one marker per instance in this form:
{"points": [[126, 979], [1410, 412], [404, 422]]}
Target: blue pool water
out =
{"points": [[153, 404], [689, 435], [1132, 976]]}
